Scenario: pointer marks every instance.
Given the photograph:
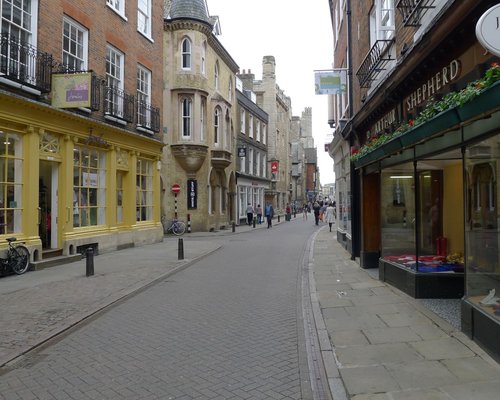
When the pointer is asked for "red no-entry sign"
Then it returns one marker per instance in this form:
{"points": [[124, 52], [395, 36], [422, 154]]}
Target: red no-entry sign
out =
{"points": [[176, 188]]}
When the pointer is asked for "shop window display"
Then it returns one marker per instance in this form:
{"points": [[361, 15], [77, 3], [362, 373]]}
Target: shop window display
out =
{"points": [[422, 227], [482, 218]]}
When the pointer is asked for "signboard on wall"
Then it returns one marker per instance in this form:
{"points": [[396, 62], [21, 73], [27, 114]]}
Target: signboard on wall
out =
{"points": [[488, 30], [192, 194], [330, 81], [274, 166], [71, 90]]}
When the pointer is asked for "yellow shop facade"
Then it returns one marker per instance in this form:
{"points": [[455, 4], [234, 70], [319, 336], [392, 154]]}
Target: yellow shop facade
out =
{"points": [[69, 182]]}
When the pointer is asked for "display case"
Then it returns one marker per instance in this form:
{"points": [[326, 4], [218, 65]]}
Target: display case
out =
{"points": [[481, 318]]}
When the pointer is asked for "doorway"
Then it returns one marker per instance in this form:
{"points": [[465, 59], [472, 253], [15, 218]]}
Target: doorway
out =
{"points": [[48, 204]]}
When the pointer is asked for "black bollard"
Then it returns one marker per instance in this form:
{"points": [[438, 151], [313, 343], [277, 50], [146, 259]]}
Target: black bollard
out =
{"points": [[180, 252], [278, 218], [89, 271], [233, 227]]}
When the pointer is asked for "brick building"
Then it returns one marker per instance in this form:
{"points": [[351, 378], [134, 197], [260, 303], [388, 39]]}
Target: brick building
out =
{"points": [[79, 117]]}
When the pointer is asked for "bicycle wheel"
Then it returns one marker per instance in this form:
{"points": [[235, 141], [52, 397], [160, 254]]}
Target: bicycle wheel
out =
{"points": [[19, 259], [179, 228]]}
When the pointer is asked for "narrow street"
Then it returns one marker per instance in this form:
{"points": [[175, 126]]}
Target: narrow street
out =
{"points": [[228, 327]]}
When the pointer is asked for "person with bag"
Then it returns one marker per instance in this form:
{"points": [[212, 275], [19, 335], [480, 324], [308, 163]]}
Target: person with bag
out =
{"points": [[269, 215]]}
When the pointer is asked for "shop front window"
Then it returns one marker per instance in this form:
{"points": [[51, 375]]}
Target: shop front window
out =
{"points": [[11, 172], [482, 218], [89, 187], [144, 189], [398, 215]]}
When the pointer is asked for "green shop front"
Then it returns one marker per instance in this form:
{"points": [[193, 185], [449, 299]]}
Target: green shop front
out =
{"points": [[434, 180]]}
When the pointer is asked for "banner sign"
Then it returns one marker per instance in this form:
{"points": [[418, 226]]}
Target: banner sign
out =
{"points": [[71, 90], [274, 166], [192, 194], [488, 30], [330, 82]]}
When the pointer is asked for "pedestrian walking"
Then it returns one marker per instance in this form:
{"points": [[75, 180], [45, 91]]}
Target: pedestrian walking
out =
{"points": [[269, 215], [330, 215], [322, 212], [316, 210], [288, 211], [304, 211], [249, 214], [259, 214]]}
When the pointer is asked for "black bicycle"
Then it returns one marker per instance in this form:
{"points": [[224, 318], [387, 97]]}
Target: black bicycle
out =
{"points": [[18, 258]]}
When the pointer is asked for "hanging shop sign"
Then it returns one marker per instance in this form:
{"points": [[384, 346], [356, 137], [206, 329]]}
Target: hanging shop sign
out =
{"points": [[242, 152], [332, 81], [71, 90], [438, 81], [192, 194], [274, 166], [488, 30]]}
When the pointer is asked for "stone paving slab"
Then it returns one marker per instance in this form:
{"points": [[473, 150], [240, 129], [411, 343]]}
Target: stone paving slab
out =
{"points": [[387, 345]]}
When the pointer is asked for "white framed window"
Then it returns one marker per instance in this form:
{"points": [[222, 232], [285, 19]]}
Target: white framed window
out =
{"points": [[250, 126], [251, 164], [203, 119], [186, 117], [114, 80], [242, 121], [144, 17], [89, 187], [204, 58], [117, 6], [216, 75], [258, 138], [258, 166], [74, 45], [144, 190], [382, 25], [230, 90], [217, 122], [143, 96], [264, 166], [186, 54], [243, 165], [19, 23], [264, 134]]}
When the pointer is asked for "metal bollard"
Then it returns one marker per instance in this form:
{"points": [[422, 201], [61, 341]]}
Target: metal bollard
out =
{"points": [[233, 228], [89, 270], [180, 250], [278, 218]]}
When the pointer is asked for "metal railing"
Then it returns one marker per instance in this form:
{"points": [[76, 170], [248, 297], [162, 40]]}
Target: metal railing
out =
{"points": [[148, 117], [118, 104], [24, 64], [374, 62], [413, 10]]}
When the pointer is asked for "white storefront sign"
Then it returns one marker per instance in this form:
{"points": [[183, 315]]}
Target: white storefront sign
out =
{"points": [[488, 30]]}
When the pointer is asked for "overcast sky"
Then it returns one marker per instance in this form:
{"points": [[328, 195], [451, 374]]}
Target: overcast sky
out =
{"points": [[298, 34]]}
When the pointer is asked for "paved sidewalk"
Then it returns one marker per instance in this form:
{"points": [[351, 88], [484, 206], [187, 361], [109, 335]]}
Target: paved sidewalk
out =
{"points": [[380, 344]]}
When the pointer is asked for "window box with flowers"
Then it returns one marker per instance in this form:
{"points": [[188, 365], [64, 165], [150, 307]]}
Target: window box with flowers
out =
{"points": [[476, 99]]}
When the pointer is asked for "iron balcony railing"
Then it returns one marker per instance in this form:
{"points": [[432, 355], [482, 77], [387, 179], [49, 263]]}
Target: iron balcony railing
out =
{"points": [[413, 10], [374, 62], [148, 117], [24, 64], [118, 104]]}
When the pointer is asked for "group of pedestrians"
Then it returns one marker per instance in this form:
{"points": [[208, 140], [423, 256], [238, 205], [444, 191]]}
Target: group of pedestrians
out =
{"points": [[322, 212], [268, 213]]}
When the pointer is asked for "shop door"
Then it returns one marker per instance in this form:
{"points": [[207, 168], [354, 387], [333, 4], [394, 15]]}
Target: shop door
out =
{"points": [[48, 204]]}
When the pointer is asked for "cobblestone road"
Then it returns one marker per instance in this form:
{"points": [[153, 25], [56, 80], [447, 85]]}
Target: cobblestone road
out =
{"points": [[227, 327]]}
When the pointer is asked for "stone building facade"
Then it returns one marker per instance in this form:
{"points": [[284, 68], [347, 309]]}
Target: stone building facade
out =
{"points": [[199, 120]]}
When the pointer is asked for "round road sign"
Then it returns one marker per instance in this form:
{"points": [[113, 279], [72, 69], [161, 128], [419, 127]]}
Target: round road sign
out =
{"points": [[176, 188]]}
